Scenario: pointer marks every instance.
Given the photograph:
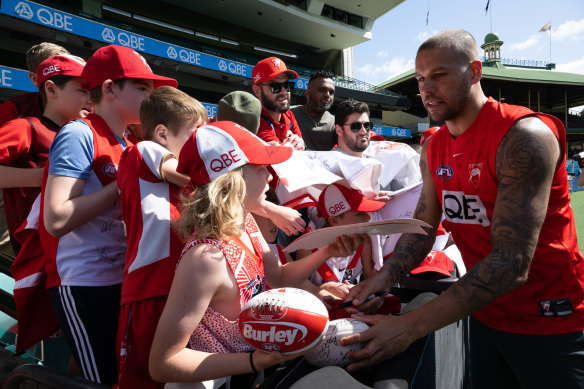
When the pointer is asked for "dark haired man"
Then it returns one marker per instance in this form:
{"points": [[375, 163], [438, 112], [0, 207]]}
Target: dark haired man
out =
{"points": [[316, 123], [272, 87], [498, 172], [352, 127]]}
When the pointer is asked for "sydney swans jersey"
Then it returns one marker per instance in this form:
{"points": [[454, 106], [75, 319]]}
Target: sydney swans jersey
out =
{"points": [[149, 206], [463, 171], [215, 333], [25, 144], [93, 253]]}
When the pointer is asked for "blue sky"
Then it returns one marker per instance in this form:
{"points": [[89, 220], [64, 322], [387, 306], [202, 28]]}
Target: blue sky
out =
{"points": [[398, 33]]}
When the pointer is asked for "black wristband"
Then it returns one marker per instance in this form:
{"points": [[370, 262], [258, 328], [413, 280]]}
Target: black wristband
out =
{"points": [[251, 362]]}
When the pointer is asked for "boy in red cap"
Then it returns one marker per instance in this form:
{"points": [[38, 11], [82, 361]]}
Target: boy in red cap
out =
{"points": [[339, 206], [226, 262], [25, 142], [272, 87], [150, 190], [81, 226], [30, 104]]}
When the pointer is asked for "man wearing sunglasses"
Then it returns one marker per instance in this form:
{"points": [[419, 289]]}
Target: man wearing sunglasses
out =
{"points": [[272, 87], [353, 127]]}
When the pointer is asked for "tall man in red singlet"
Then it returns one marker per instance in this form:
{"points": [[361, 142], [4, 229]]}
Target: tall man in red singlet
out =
{"points": [[498, 173]]}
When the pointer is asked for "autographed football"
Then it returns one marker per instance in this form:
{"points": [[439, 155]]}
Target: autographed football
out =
{"points": [[287, 320], [329, 352]]}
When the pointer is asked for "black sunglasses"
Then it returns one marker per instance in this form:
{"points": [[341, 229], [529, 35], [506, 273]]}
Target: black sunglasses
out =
{"points": [[356, 126], [276, 87]]}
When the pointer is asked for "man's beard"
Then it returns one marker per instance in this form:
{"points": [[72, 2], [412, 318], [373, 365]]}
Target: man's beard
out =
{"points": [[270, 105], [355, 144], [454, 109]]}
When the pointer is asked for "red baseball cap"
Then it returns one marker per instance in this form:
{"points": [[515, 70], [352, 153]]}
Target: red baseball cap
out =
{"points": [[115, 62], [438, 263], [67, 65], [269, 68], [220, 147], [336, 199], [427, 134], [375, 136]]}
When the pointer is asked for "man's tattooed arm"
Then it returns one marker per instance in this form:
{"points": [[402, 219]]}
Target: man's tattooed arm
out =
{"points": [[525, 163]]}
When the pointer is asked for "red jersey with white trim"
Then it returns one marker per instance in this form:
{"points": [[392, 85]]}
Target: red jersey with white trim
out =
{"points": [[24, 105], [93, 253], [463, 171], [149, 207], [270, 130], [24, 144], [215, 333]]}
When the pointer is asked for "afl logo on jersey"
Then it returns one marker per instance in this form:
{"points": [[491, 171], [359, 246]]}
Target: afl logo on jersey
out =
{"points": [[445, 172], [110, 169]]}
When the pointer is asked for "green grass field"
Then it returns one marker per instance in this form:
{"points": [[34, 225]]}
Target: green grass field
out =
{"points": [[578, 207]]}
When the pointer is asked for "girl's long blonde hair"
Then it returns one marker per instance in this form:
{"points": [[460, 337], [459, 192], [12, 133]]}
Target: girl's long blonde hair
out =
{"points": [[215, 210]]}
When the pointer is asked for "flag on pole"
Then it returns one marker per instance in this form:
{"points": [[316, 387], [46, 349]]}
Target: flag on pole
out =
{"points": [[548, 26], [427, 16], [487, 7]]}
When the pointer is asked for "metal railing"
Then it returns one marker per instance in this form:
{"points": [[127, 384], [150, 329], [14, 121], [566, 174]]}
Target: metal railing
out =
{"points": [[351, 83]]}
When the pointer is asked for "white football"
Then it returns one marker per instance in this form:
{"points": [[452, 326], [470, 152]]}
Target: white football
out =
{"points": [[287, 320], [329, 352]]}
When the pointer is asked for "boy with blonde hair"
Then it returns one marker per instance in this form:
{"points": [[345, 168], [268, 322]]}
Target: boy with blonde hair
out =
{"points": [[150, 190], [81, 227]]}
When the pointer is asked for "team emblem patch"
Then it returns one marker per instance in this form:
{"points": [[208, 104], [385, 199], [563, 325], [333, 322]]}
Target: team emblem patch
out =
{"points": [[276, 62], [110, 169], [475, 170], [444, 172]]}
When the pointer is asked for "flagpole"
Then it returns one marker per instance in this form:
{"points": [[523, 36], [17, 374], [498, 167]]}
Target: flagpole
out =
{"points": [[550, 44], [491, 14]]}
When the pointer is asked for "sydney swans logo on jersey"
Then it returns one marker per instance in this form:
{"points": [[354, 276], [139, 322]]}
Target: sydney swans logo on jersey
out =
{"points": [[445, 172], [475, 170], [464, 209]]}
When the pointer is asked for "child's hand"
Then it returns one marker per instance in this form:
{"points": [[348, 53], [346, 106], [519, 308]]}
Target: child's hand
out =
{"points": [[344, 245], [264, 359], [338, 289]]}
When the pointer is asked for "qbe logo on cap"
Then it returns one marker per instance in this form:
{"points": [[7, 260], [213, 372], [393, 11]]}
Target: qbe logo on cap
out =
{"points": [[338, 207], [224, 161]]}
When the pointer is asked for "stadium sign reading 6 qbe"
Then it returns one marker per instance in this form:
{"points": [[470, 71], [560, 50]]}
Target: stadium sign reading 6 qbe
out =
{"points": [[39, 14]]}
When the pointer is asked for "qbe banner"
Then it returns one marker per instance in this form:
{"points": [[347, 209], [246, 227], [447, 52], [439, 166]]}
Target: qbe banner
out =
{"points": [[50, 17]]}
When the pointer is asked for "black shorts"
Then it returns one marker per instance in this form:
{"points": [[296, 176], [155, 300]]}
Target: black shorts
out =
{"points": [[89, 316], [505, 360]]}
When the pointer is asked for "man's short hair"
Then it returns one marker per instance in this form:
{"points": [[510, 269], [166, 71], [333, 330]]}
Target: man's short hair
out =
{"points": [[348, 107], [38, 53], [59, 80], [320, 74], [461, 41], [170, 107]]}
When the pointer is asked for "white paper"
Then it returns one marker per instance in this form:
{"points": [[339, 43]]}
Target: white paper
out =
{"points": [[324, 236]]}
